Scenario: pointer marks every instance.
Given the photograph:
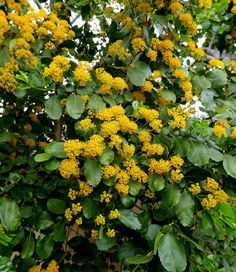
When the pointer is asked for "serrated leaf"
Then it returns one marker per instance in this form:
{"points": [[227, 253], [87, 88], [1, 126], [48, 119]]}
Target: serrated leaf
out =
{"points": [[171, 253], [198, 153], [229, 164], [53, 107], [156, 183], [96, 103], [130, 219], [185, 209], [107, 156], [218, 78], [56, 149], [171, 195], [215, 155], [74, 106], [105, 243], [138, 75], [92, 171]]}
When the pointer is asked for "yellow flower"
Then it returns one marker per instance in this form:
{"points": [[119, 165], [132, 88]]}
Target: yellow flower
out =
{"points": [[221, 196], [233, 134], [72, 194], [211, 185], [152, 149], [144, 136], [138, 45], [85, 189], [176, 175], [82, 76], [156, 75], [110, 171], [86, 124], [111, 233], [160, 167], [152, 55], [175, 7], [156, 125], [233, 10], [147, 87], [114, 214], [76, 208], [100, 220], [194, 189], [68, 168], [105, 197], [109, 128], [73, 148], [220, 127], [205, 3], [216, 63], [176, 161], [209, 202], [180, 74], [68, 214], [119, 84], [94, 234], [94, 147], [79, 221], [149, 194]]}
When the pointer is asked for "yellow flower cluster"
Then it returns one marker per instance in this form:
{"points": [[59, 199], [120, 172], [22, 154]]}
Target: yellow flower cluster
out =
{"points": [[92, 148], [175, 7], [151, 116], [85, 189], [52, 267], [233, 65], [68, 214], [216, 64], [58, 66], [94, 234], [122, 185], [86, 124], [152, 149], [111, 233], [135, 172], [82, 76], [72, 194], [198, 53], [108, 82], [186, 20], [152, 55], [179, 117], [114, 214], [116, 49], [100, 220], [105, 197], [7, 77], [110, 171], [138, 45], [160, 167], [149, 194], [211, 185], [205, 3], [233, 134], [76, 208], [68, 168], [195, 189], [220, 128], [4, 25]]}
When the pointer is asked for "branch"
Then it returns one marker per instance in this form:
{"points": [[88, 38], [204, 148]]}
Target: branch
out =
{"points": [[58, 130]]}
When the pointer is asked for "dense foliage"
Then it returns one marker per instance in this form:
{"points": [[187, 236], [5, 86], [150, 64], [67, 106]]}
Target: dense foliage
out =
{"points": [[107, 161]]}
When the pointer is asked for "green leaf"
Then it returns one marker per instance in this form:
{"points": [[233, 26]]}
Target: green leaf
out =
{"points": [[45, 246], [157, 240], [127, 201], [53, 108], [107, 156], [28, 247], [9, 214], [200, 83], [42, 157], [105, 243], [89, 208], [56, 206], [151, 233], [92, 171], [171, 195], [181, 146], [134, 187], [138, 75], [185, 209], [96, 103], [168, 95], [19, 93], [156, 183], [6, 265], [130, 219], [218, 78], [171, 253], [74, 106], [215, 155], [138, 259], [56, 149], [44, 221], [59, 232], [229, 164], [198, 153], [52, 165], [127, 249]]}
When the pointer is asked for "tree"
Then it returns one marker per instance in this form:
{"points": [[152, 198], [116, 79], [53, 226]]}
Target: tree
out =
{"points": [[105, 161]]}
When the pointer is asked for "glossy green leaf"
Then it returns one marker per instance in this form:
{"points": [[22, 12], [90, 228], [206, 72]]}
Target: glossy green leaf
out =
{"points": [[185, 209], [138, 75], [138, 259], [6, 265], [56, 149], [56, 206], [229, 164], [92, 171], [105, 243], [130, 219], [198, 153], [45, 246], [107, 156], [168, 95], [89, 208], [53, 108], [156, 183], [218, 78], [59, 232], [42, 157], [171, 253], [28, 247], [96, 103], [171, 195], [9, 214], [74, 106]]}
